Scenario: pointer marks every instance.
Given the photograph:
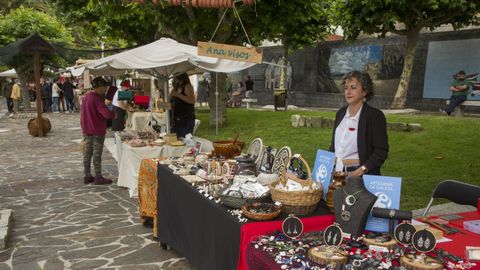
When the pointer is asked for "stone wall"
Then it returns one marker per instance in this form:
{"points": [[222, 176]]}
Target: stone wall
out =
{"points": [[312, 85]]}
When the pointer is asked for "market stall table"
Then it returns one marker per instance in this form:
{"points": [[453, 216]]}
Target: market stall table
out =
{"points": [[203, 231], [257, 259], [129, 159]]}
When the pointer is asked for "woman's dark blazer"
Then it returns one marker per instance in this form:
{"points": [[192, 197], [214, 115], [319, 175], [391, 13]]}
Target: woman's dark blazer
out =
{"points": [[372, 138]]}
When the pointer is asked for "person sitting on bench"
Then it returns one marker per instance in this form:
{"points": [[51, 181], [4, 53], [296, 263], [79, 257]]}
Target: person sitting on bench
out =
{"points": [[459, 88]]}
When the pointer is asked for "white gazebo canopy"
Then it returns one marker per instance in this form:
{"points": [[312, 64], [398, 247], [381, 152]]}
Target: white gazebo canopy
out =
{"points": [[164, 57], [9, 74]]}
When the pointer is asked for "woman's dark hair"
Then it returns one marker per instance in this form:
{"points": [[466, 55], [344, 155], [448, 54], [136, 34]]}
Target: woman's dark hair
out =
{"points": [[241, 84], [183, 79], [364, 79]]}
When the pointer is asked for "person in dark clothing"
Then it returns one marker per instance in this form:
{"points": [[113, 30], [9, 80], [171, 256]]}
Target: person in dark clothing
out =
{"points": [[7, 93], [46, 92], [183, 101], [111, 90], [68, 90], [248, 87]]}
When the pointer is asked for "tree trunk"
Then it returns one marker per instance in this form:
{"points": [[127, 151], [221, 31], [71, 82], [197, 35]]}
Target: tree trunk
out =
{"points": [[222, 100], [400, 100], [24, 79]]}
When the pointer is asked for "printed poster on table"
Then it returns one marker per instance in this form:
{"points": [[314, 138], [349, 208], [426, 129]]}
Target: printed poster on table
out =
{"points": [[388, 190], [322, 171]]}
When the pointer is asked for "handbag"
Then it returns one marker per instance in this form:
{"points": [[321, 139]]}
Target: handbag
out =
{"points": [[125, 95]]}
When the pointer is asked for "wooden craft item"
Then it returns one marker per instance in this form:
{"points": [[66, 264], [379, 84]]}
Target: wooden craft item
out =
{"points": [[372, 241], [420, 263], [327, 255]]}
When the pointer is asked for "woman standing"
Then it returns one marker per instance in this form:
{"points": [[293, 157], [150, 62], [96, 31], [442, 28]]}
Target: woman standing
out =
{"points": [[359, 140], [183, 101], [120, 107], [202, 91]]}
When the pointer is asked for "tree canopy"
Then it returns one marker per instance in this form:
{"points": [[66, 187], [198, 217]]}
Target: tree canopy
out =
{"points": [[402, 17], [20, 23]]}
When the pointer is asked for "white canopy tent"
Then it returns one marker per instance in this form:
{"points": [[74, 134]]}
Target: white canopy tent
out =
{"points": [[9, 74], [162, 58]]}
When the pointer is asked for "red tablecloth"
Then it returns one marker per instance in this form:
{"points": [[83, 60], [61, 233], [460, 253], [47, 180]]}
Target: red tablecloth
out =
{"points": [[250, 230], [456, 246], [463, 239]]}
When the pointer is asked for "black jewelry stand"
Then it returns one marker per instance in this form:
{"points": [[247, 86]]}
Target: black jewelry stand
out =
{"points": [[354, 222], [391, 215]]}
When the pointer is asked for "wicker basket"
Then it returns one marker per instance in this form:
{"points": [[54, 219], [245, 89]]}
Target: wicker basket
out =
{"points": [[228, 149], [238, 202], [301, 202], [261, 216], [33, 127]]}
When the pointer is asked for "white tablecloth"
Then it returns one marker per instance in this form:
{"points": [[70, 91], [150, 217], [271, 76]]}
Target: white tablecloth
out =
{"points": [[130, 158], [139, 120]]}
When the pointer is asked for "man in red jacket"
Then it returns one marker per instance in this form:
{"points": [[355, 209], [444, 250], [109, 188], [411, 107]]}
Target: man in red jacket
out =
{"points": [[93, 120]]}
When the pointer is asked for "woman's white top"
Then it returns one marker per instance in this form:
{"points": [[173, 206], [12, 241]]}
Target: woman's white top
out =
{"points": [[115, 99], [55, 90], [346, 139]]}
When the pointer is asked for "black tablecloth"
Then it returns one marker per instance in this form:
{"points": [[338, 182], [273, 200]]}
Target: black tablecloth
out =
{"points": [[200, 229]]}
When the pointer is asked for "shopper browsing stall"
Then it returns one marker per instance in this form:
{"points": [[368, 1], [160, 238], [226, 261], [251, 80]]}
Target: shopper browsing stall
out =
{"points": [[183, 100], [359, 139], [120, 106], [93, 120]]}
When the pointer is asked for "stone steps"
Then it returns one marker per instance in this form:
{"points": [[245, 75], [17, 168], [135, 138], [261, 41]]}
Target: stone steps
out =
{"points": [[5, 226]]}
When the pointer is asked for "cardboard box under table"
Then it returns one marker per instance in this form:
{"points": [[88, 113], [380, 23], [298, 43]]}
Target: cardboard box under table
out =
{"points": [[204, 232]]}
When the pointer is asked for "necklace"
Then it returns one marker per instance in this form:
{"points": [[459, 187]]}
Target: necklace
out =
{"points": [[350, 200]]}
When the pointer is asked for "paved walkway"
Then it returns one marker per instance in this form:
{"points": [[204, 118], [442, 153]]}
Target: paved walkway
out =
{"points": [[60, 223]]}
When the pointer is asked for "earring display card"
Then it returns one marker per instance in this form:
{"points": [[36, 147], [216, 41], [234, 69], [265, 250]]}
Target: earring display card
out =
{"points": [[472, 225], [473, 253]]}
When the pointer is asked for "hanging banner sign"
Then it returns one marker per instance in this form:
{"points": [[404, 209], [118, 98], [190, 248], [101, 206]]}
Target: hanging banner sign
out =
{"points": [[231, 52]]}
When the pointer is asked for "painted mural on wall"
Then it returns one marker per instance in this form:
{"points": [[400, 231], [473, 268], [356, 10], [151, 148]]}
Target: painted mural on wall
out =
{"points": [[446, 58], [273, 71], [346, 59], [383, 63]]}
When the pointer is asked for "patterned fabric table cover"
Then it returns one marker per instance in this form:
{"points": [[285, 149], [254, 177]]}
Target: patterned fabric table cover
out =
{"points": [[147, 191]]}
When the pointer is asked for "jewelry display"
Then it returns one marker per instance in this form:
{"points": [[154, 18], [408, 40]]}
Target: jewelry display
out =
{"points": [[350, 200], [403, 233], [309, 252], [292, 226]]}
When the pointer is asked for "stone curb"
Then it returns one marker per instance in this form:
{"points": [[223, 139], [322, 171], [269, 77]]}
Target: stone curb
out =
{"points": [[5, 221], [323, 122]]}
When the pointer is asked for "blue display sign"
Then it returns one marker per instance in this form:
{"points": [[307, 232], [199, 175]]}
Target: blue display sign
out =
{"points": [[388, 191], [322, 171]]}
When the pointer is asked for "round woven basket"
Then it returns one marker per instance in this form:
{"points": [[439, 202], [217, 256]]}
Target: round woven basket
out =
{"points": [[260, 216], [33, 128], [228, 149], [301, 202]]}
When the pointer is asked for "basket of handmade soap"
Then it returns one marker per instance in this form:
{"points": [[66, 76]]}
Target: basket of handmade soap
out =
{"points": [[261, 211], [297, 195], [245, 189], [228, 149]]}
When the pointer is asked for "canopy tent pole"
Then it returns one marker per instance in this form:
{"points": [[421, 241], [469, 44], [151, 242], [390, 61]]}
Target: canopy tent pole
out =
{"points": [[36, 59], [216, 103], [165, 97]]}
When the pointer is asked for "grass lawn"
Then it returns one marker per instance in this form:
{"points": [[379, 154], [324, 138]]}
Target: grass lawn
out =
{"points": [[413, 156]]}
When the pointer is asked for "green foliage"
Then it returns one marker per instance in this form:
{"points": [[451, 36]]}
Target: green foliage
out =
{"points": [[22, 22], [445, 149], [402, 17], [144, 23]]}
